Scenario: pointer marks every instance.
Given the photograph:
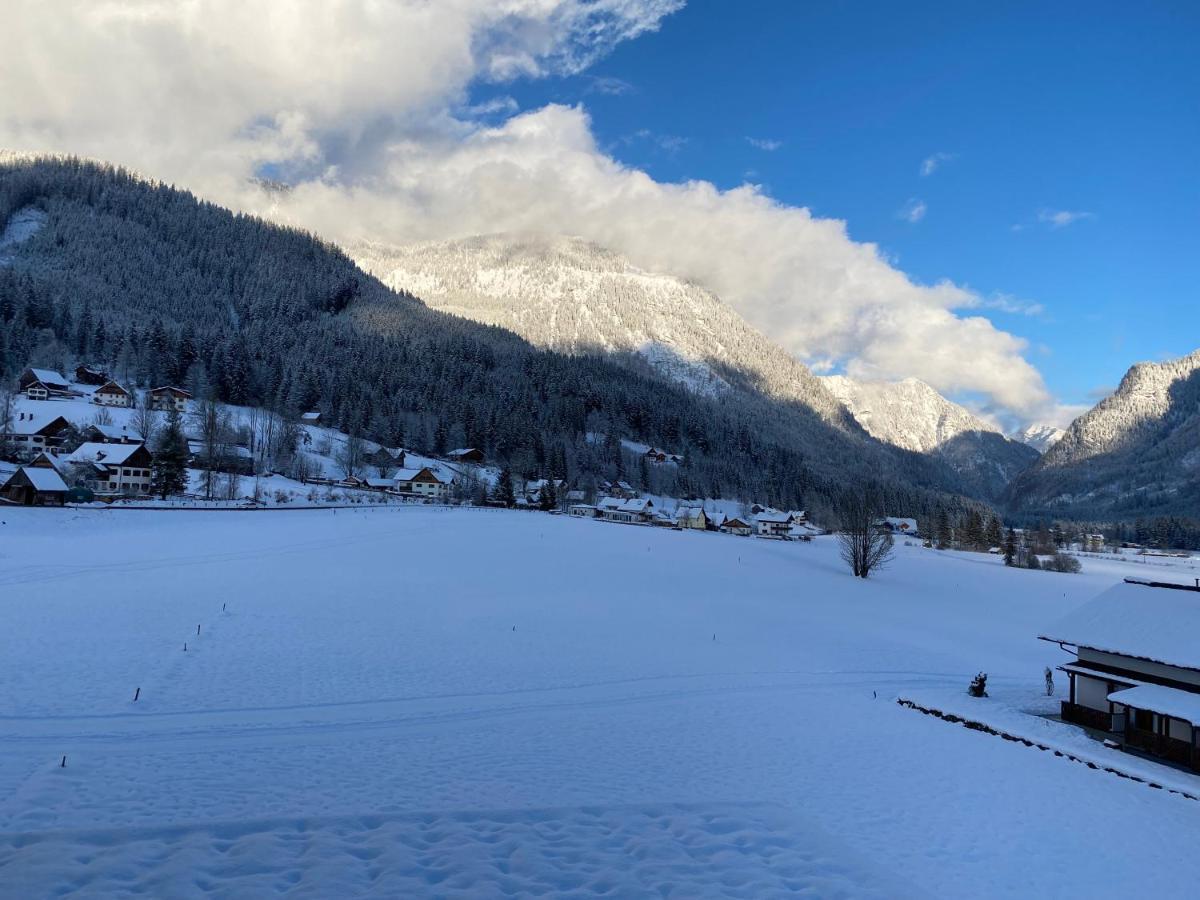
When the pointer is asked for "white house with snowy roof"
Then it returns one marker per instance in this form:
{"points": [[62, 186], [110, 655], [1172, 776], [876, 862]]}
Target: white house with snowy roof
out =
{"points": [[771, 523], [1136, 672], [629, 511]]}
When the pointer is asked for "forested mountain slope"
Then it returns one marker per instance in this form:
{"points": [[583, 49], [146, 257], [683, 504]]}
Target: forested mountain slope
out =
{"points": [[567, 294], [1135, 453], [912, 415], [167, 288]]}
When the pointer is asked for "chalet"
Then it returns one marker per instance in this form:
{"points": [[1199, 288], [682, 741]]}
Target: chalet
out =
{"points": [[582, 511], [113, 468], [31, 433], [630, 511], [737, 526], [465, 455], [93, 375], [381, 484], [112, 434], [35, 485], [1136, 672], [167, 398], [422, 483], [533, 489], [42, 384], [772, 524], [112, 394], [692, 517], [310, 418], [896, 525]]}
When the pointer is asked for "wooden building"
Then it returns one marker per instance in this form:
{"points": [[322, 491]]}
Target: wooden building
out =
{"points": [[737, 526], [1136, 671], [35, 485], [112, 434], [466, 455], [167, 398], [772, 524], [112, 394], [31, 433], [42, 384], [93, 375], [423, 483]]}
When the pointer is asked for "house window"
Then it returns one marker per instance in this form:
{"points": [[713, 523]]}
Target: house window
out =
{"points": [[1143, 719]]}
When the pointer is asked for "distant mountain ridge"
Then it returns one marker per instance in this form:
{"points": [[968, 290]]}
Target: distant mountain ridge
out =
{"points": [[1039, 436], [1136, 452], [912, 415]]}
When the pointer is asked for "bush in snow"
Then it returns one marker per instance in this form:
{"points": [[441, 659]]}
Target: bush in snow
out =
{"points": [[978, 686]]}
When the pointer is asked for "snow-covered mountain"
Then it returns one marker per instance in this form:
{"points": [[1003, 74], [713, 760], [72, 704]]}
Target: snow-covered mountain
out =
{"points": [[912, 415], [571, 295], [1038, 436], [1135, 451]]}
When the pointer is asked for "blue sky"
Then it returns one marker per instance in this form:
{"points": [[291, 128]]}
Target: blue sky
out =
{"points": [[1028, 111]]}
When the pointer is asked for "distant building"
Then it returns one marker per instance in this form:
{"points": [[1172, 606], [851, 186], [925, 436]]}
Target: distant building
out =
{"points": [[773, 524], [42, 384], [167, 398], [93, 375], [737, 526], [381, 484], [310, 418], [40, 483], [692, 517], [582, 510], [896, 525], [112, 394], [1136, 674], [466, 455], [630, 511], [422, 483], [385, 458], [113, 468], [31, 433], [112, 434]]}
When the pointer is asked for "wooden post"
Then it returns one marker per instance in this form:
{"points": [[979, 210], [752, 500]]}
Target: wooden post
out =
{"points": [[63, 764], [135, 694]]}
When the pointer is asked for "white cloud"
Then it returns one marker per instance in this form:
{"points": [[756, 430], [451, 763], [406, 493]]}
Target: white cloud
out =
{"points": [[1007, 303], [361, 104], [1061, 218], [767, 144], [932, 163], [913, 211]]}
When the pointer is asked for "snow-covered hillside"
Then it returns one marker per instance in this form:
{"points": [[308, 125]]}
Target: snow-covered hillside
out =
{"points": [[913, 416], [571, 295], [583, 709], [1136, 452]]}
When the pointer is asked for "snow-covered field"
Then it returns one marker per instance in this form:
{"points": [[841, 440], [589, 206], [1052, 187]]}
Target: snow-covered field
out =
{"points": [[420, 701]]}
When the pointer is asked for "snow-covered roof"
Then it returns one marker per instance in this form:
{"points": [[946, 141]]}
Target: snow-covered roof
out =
{"points": [[691, 513], [1160, 699], [381, 482], [462, 450], [44, 479], [625, 485], [1137, 619], [901, 524], [778, 518], [108, 454], [33, 422], [310, 417], [410, 474], [118, 432], [610, 503], [637, 504], [49, 376]]}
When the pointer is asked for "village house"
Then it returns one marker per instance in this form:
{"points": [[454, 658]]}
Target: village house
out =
{"points": [[385, 458], [896, 525], [381, 484], [42, 384], [31, 433], [465, 455], [532, 492], [310, 418], [773, 524], [582, 510], [423, 483], [167, 398], [734, 525], [1136, 672], [113, 468], [629, 511], [112, 394], [1091, 543], [112, 434], [692, 517], [40, 483], [92, 375]]}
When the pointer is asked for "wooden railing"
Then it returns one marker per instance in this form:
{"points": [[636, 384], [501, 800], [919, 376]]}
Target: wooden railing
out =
{"points": [[1086, 716], [1161, 745]]}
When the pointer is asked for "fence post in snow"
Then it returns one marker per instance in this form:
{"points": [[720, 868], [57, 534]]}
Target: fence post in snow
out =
{"points": [[136, 694]]}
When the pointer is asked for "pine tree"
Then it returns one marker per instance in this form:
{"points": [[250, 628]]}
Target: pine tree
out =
{"points": [[168, 471], [503, 492], [1010, 548], [548, 496]]}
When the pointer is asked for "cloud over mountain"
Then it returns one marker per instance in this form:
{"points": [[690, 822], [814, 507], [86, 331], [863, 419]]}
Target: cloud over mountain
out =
{"points": [[363, 107]]}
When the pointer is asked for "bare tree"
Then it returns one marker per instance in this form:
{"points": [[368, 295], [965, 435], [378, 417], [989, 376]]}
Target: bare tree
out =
{"points": [[145, 417], [212, 423], [350, 455], [102, 416], [865, 543]]}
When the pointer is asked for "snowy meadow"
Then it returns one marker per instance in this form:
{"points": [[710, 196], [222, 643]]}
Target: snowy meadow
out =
{"points": [[424, 701]]}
